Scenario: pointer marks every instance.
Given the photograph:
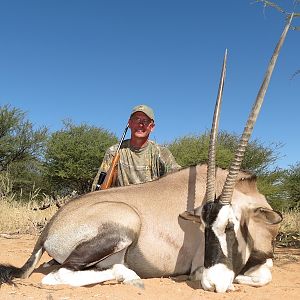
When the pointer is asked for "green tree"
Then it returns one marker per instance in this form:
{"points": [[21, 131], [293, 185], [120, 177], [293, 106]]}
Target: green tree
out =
{"points": [[271, 185], [291, 186], [21, 150], [190, 150], [282, 188], [73, 156], [18, 140]]}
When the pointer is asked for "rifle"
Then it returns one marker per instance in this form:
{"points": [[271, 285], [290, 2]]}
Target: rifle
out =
{"points": [[106, 179]]}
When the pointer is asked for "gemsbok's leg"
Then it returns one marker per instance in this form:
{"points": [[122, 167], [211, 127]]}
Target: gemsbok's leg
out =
{"points": [[257, 276], [107, 250]]}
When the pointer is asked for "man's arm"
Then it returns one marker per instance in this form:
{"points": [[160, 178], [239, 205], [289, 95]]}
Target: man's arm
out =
{"points": [[168, 161]]}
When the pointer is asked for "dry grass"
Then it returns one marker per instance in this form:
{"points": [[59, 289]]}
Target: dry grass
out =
{"points": [[23, 218], [289, 231], [291, 222]]}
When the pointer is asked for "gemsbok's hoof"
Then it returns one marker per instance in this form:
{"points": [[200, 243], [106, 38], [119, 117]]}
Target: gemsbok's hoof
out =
{"points": [[138, 283], [217, 279]]}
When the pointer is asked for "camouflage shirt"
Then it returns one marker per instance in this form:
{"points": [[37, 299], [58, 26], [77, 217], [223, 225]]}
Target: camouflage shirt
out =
{"points": [[138, 165]]}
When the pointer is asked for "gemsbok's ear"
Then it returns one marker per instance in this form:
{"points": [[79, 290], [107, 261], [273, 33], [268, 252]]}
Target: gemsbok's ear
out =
{"points": [[189, 216], [268, 215]]}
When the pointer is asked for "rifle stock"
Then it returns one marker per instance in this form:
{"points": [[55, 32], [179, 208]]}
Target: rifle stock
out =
{"points": [[111, 175]]}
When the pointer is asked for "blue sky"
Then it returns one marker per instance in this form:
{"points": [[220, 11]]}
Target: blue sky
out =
{"points": [[92, 61]]}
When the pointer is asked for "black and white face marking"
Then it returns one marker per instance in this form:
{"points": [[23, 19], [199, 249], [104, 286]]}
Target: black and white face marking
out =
{"points": [[222, 259]]}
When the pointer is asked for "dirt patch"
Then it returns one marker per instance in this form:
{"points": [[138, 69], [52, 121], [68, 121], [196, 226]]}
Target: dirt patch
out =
{"points": [[16, 250]]}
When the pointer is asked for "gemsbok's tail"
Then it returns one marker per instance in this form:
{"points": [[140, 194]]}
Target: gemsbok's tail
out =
{"points": [[9, 272]]}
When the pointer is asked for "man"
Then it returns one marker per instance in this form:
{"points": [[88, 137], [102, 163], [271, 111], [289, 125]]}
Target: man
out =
{"points": [[141, 159]]}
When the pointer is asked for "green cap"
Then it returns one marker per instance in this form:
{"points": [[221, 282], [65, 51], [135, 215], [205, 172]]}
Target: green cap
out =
{"points": [[145, 109]]}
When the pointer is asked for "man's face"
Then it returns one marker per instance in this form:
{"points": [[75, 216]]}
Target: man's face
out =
{"points": [[141, 125]]}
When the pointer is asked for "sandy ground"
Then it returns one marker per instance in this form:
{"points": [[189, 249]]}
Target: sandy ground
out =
{"points": [[285, 284]]}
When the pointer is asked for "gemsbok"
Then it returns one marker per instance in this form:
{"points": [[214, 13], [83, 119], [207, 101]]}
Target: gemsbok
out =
{"points": [[203, 221]]}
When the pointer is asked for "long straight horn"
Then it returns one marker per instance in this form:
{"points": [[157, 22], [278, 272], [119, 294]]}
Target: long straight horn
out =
{"points": [[227, 191], [211, 167]]}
